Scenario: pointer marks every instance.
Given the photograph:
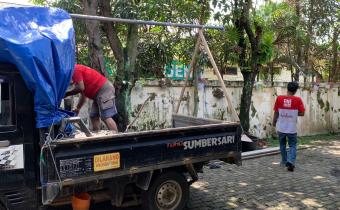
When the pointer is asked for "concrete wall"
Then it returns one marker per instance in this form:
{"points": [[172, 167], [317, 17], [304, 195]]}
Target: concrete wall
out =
{"points": [[322, 106]]}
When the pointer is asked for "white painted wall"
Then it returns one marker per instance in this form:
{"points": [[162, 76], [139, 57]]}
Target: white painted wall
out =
{"points": [[322, 106]]}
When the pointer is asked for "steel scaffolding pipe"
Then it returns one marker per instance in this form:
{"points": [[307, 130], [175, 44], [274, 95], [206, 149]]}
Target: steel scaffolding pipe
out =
{"points": [[144, 22], [132, 21]]}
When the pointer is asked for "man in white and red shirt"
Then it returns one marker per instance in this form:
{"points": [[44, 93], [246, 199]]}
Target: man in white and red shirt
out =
{"points": [[287, 109]]}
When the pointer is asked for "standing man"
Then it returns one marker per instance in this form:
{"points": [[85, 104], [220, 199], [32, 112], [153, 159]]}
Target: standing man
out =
{"points": [[287, 109], [91, 84]]}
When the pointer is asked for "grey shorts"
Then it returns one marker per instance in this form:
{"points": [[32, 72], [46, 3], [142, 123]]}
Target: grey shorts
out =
{"points": [[103, 105]]}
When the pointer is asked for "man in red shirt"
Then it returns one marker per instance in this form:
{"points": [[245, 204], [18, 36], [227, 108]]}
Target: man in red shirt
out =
{"points": [[287, 109], [91, 84]]}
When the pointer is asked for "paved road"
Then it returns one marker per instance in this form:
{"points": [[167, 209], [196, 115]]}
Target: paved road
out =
{"points": [[262, 184]]}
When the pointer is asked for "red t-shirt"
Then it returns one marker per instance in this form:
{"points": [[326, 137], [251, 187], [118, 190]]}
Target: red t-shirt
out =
{"points": [[92, 79], [288, 108]]}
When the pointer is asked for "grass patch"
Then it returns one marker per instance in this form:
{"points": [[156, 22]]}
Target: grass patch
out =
{"points": [[304, 140]]}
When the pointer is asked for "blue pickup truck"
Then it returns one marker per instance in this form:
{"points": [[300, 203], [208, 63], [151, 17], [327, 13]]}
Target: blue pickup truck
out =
{"points": [[40, 168]]}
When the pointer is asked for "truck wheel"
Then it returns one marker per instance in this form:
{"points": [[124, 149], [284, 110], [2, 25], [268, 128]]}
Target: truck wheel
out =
{"points": [[169, 191]]}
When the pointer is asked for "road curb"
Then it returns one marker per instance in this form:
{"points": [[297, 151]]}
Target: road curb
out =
{"points": [[267, 152]]}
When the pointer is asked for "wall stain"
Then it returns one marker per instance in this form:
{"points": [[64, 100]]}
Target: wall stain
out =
{"points": [[253, 110], [320, 101], [136, 110], [327, 106], [218, 93], [219, 114]]}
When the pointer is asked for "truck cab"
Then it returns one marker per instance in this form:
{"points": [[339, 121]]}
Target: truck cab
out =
{"points": [[19, 166]]}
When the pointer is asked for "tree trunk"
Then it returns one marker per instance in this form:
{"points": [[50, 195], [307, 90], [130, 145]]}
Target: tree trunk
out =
{"points": [[128, 76], [249, 76], [126, 62], [122, 104], [247, 92], [112, 36], [307, 63], [298, 43], [271, 73], [247, 84], [334, 76], [196, 98], [247, 89], [96, 55]]}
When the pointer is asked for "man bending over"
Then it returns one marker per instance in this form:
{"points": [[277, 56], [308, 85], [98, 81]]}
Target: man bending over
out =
{"points": [[91, 84]]}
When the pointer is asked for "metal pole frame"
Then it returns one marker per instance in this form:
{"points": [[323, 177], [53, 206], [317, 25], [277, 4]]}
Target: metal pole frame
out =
{"points": [[200, 39], [144, 22], [131, 21]]}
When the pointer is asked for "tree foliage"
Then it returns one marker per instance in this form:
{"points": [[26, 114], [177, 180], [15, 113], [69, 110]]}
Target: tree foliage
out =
{"points": [[301, 35]]}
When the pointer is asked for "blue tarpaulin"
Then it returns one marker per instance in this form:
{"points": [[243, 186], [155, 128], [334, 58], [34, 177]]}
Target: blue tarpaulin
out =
{"points": [[40, 42]]}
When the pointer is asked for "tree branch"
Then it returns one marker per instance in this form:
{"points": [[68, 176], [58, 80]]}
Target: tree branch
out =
{"points": [[289, 60], [132, 52], [111, 34], [246, 24], [96, 56]]}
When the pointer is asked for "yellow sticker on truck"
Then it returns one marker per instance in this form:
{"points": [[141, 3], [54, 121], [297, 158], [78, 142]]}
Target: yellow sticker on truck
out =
{"points": [[107, 161]]}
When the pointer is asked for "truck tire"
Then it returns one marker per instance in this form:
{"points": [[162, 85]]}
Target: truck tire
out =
{"points": [[169, 191]]}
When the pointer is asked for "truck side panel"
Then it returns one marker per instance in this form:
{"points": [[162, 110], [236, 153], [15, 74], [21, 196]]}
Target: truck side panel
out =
{"points": [[131, 155]]}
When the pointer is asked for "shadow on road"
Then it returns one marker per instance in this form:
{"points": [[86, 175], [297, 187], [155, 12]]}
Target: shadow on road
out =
{"points": [[262, 184]]}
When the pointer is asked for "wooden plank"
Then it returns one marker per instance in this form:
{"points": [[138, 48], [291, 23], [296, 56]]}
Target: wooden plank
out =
{"points": [[193, 60], [217, 72], [182, 121]]}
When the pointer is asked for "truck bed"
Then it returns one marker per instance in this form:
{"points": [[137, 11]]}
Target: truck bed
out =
{"points": [[191, 140]]}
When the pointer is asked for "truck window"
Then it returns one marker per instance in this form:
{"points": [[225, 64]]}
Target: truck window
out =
{"points": [[6, 105]]}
